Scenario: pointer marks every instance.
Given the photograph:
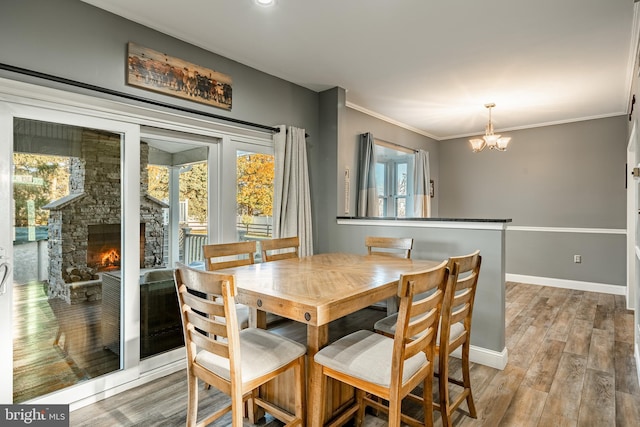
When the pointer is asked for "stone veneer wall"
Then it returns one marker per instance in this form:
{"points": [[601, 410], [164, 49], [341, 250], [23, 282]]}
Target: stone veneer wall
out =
{"points": [[95, 198]]}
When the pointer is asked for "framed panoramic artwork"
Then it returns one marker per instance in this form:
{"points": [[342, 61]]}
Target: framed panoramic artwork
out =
{"points": [[152, 70]]}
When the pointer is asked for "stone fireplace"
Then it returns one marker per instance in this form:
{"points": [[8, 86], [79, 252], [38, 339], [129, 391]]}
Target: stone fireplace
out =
{"points": [[85, 226]]}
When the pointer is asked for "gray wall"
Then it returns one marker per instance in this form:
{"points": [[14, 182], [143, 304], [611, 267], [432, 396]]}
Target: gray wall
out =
{"points": [[563, 176], [74, 40], [323, 173], [570, 175]]}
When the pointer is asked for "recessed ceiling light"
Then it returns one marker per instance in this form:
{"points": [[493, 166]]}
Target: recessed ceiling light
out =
{"points": [[265, 2]]}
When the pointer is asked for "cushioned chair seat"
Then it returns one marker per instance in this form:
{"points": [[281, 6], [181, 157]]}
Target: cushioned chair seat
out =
{"points": [[261, 352], [366, 355]]}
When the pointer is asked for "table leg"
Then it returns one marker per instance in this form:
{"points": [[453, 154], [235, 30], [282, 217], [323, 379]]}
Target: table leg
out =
{"points": [[257, 318], [317, 337]]}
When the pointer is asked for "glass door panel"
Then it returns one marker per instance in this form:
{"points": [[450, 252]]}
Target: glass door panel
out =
{"points": [[67, 238], [254, 196], [175, 175]]}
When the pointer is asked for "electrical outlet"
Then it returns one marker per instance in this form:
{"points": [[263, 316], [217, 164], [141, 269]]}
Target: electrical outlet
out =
{"points": [[577, 259]]}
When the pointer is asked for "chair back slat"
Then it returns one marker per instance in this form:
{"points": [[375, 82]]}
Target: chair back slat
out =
{"points": [[459, 314], [198, 303], [422, 332], [210, 326], [281, 248], [225, 255], [207, 301], [418, 317], [466, 282], [459, 299], [462, 298], [204, 342], [392, 246]]}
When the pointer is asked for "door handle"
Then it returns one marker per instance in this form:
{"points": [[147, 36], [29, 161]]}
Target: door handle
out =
{"points": [[5, 270]]}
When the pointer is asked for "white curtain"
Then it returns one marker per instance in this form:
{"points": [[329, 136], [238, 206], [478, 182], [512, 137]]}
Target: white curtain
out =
{"points": [[367, 192], [421, 186], [292, 199]]}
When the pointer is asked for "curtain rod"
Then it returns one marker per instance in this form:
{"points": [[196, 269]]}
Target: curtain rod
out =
{"points": [[82, 85], [395, 145]]}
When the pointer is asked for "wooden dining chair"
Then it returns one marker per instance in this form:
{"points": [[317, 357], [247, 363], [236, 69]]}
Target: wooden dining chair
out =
{"points": [[239, 364], [389, 368], [454, 332], [394, 246], [281, 248], [389, 246], [226, 255]]}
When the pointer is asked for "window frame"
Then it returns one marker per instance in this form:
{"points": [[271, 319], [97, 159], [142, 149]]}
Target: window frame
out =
{"points": [[390, 196]]}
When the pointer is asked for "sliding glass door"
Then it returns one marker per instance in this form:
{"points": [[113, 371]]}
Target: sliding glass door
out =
{"points": [[175, 169], [64, 233], [94, 215]]}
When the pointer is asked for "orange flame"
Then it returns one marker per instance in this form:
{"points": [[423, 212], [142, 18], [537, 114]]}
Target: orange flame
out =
{"points": [[110, 258]]}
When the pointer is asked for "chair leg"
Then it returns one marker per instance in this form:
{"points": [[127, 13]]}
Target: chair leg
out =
{"points": [[237, 408], [319, 381], [443, 388], [251, 409], [395, 407], [192, 402], [361, 407], [427, 401], [466, 378], [299, 374]]}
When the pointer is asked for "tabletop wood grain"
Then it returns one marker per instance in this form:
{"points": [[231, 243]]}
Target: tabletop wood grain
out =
{"points": [[321, 288]]}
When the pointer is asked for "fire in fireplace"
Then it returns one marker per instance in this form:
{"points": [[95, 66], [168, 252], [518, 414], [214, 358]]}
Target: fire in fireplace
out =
{"points": [[103, 247], [111, 259]]}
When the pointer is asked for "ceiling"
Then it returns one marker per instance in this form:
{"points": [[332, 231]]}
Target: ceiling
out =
{"points": [[430, 65]]}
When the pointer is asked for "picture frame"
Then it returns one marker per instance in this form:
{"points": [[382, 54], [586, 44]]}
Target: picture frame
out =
{"points": [[158, 72], [432, 190]]}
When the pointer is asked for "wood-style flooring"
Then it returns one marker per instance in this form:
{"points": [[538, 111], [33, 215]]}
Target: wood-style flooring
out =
{"points": [[570, 363], [40, 366]]}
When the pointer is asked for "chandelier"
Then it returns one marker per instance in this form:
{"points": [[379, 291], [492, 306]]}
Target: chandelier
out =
{"points": [[491, 140]]}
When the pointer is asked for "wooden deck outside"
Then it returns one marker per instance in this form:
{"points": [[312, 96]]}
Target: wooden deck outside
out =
{"points": [[40, 366]]}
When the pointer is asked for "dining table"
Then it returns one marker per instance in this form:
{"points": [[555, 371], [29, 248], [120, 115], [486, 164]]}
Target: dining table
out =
{"points": [[317, 290]]}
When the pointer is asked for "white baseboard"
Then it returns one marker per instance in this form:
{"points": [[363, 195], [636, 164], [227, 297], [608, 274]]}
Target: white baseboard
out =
{"points": [[483, 356], [568, 284]]}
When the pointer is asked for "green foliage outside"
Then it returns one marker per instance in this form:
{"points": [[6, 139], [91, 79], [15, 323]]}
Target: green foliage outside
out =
{"points": [[40, 179], [193, 187]]}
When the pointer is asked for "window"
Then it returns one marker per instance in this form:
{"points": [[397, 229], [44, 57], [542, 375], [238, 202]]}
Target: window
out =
{"points": [[254, 197], [393, 168]]}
